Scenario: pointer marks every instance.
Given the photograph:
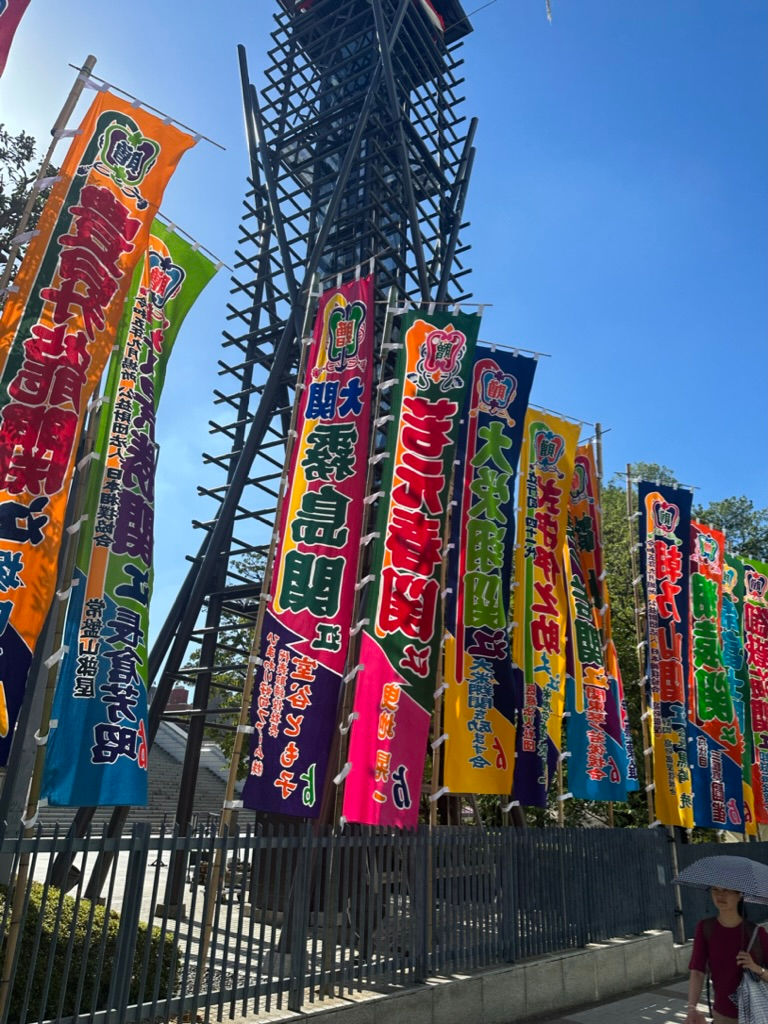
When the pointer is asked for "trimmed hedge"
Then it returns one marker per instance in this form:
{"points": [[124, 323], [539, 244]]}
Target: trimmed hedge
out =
{"points": [[92, 957]]}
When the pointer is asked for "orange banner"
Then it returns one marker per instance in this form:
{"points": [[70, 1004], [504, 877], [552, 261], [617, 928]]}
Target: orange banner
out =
{"points": [[56, 332]]}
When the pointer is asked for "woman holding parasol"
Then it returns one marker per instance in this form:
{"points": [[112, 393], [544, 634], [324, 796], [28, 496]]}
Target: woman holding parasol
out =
{"points": [[728, 944]]}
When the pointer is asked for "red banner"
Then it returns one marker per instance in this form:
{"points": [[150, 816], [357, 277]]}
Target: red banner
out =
{"points": [[11, 12]]}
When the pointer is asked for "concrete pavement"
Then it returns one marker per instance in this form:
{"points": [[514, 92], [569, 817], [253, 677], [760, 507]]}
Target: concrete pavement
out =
{"points": [[662, 1004]]}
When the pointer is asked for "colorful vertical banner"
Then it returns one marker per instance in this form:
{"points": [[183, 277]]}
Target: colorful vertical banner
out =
{"points": [[598, 768], [478, 706], [11, 13], [665, 535], [97, 745], [400, 647], [305, 634], [714, 738], [734, 659], [540, 602], [756, 654], [56, 332], [602, 764]]}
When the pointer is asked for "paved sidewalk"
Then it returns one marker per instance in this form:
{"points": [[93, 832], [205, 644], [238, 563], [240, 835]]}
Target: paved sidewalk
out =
{"points": [[664, 1004]]}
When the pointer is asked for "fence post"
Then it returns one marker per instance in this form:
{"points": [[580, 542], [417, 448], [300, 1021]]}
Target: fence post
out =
{"points": [[678, 929], [506, 875], [299, 922], [120, 983], [422, 850]]}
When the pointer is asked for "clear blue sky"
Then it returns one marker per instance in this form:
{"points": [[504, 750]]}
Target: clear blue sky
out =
{"points": [[617, 208]]}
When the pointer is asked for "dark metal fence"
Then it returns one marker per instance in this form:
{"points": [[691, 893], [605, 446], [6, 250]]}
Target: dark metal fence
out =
{"points": [[276, 919]]}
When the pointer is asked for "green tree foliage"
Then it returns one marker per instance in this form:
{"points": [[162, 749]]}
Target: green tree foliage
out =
{"points": [[18, 171], [746, 527]]}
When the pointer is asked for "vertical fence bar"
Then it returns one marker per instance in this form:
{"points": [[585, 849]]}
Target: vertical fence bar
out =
{"points": [[511, 903], [84, 971], [278, 918], [268, 849], [363, 897], [422, 851], [437, 905], [156, 846], [381, 860], [248, 912], [345, 851], [317, 882], [396, 870], [164, 843], [300, 916], [331, 916], [125, 946]]}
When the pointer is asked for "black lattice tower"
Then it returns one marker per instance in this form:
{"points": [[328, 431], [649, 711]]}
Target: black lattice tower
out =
{"points": [[359, 152]]}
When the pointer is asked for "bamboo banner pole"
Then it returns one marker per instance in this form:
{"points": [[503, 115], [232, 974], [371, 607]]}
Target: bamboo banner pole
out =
{"points": [[438, 739], [598, 444], [49, 670], [61, 121], [243, 729], [639, 632]]}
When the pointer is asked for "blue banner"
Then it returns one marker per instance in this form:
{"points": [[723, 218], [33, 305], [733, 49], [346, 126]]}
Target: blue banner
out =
{"points": [[599, 767], [665, 545]]}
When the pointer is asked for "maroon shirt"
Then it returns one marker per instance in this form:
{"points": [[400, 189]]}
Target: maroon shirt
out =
{"points": [[720, 954]]}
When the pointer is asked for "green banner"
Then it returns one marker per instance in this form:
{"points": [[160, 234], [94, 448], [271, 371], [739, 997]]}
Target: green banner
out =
{"points": [[97, 749]]}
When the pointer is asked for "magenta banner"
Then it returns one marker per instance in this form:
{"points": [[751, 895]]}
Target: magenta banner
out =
{"points": [[400, 648], [305, 634], [11, 12]]}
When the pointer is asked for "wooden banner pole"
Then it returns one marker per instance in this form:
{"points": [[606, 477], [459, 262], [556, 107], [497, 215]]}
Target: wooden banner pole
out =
{"points": [[61, 121], [639, 632]]}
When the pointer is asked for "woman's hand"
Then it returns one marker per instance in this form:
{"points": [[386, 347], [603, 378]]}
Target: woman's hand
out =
{"points": [[743, 959], [695, 1016]]}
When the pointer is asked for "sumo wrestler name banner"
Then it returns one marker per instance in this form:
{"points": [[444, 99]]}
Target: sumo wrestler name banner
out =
{"points": [[305, 633], [714, 737], [400, 646], [734, 659], [97, 745], [11, 13], [478, 706], [756, 655], [57, 330], [598, 768], [665, 541], [540, 608], [602, 764]]}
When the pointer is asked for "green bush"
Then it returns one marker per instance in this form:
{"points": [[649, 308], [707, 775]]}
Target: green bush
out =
{"points": [[90, 945]]}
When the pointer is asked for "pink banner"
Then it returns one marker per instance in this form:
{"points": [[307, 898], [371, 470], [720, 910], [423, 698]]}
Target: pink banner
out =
{"points": [[11, 13], [399, 653]]}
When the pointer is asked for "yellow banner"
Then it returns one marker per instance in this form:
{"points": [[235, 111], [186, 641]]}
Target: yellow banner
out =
{"points": [[540, 603], [56, 332]]}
